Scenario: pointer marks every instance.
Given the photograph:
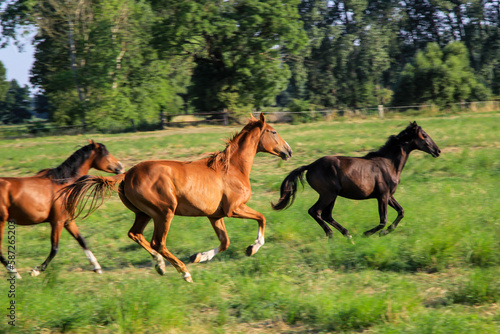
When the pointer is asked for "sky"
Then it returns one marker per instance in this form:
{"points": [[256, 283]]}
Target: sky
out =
{"points": [[17, 64]]}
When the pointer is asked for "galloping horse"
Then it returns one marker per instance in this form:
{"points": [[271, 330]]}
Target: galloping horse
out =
{"points": [[216, 187], [376, 175], [33, 200]]}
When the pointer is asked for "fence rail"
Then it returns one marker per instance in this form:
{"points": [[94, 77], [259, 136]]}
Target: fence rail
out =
{"points": [[36, 129]]}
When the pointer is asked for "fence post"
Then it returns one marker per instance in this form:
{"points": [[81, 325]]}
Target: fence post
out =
{"points": [[162, 119], [381, 111], [226, 117]]}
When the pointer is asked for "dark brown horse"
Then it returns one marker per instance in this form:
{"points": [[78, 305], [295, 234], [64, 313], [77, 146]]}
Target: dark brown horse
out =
{"points": [[215, 187], [33, 200], [376, 175]]}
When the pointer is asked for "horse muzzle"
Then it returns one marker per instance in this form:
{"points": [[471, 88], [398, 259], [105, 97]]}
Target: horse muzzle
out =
{"points": [[286, 154]]}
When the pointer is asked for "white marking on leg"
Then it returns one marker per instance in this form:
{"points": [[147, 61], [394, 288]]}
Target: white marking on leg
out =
{"points": [[93, 260], [11, 269], [207, 256], [160, 263], [187, 277], [259, 242]]}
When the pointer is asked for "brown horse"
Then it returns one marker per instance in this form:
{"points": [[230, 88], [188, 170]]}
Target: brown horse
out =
{"points": [[216, 187], [376, 175], [33, 200]]}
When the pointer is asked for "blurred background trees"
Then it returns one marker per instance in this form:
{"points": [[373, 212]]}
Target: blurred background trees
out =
{"points": [[122, 62]]}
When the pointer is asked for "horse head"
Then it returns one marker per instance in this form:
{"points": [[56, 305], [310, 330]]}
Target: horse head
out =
{"points": [[423, 141], [103, 160], [271, 142]]}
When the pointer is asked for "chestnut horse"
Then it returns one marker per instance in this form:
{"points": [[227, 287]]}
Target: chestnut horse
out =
{"points": [[215, 187], [376, 175], [33, 200]]}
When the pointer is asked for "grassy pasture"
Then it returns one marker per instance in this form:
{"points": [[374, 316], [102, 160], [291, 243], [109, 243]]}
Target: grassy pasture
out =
{"points": [[437, 273]]}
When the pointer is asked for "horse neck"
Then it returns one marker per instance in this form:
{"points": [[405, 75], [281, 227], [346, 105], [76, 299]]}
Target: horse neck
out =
{"points": [[84, 168], [399, 157], [243, 154], [80, 170]]}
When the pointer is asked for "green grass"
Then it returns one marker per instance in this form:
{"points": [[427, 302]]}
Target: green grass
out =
{"points": [[436, 273]]}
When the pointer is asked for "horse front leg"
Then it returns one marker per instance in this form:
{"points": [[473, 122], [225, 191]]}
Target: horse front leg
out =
{"points": [[159, 242], [75, 233], [220, 230], [136, 233], [401, 213], [55, 236], [246, 212], [382, 211], [8, 264]]}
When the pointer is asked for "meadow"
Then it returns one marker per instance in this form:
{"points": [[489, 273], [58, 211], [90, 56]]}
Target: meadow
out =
{"points": [[438, 272]]}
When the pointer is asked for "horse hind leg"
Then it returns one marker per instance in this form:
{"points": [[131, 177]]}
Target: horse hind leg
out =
{"points": [[55, 236], [316, 212], [136, 234], [220, 230], [158, 243], [75, 233], [326, 215], [401, 213], [8, 265]]}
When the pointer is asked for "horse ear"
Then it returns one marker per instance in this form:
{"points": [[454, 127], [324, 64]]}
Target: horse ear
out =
{"points": [[262, 118], [252, 118], [93, 143]]}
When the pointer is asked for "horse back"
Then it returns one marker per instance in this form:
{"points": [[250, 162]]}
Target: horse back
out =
{"points": [[188, 188], [349, 177]]}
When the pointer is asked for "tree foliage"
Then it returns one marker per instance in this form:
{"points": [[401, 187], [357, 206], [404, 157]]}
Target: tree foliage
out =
{"points": [[110, 63], [439, 76]]}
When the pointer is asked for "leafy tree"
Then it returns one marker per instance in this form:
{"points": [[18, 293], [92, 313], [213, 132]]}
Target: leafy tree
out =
{"points": [[439, 76], [16, 107], [4, 84], [237, 48]]}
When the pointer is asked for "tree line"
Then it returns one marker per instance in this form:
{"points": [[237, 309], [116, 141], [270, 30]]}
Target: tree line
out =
{"points": [[103, 63]]}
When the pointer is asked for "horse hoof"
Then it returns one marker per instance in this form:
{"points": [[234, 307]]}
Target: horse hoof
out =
{"points": [[250, 251], [383, 232], [187, 277], [16, 274], [350, 239], [98, 271], [34, 273], [159, 269], [195, 258]]}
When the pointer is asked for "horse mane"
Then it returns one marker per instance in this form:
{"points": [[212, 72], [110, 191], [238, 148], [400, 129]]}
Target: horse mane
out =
{"points": [[220, 160], [395, 140], [69, 168]]}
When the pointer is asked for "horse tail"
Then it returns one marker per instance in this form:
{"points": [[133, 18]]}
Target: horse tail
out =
{"points": [[289, 188], [99, 187]]}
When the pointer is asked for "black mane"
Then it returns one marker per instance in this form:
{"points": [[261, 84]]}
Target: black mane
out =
{"points": [[395, 140], [69, 168]]}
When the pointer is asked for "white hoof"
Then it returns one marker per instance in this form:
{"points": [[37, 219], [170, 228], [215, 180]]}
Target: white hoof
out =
{"points": [[98, 270], [160, 269], [34, 273], [187, 277]]}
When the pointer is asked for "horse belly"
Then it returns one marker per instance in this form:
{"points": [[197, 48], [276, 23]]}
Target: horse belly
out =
{"points": [[198, 205], [357, 186], [27, 209]]}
